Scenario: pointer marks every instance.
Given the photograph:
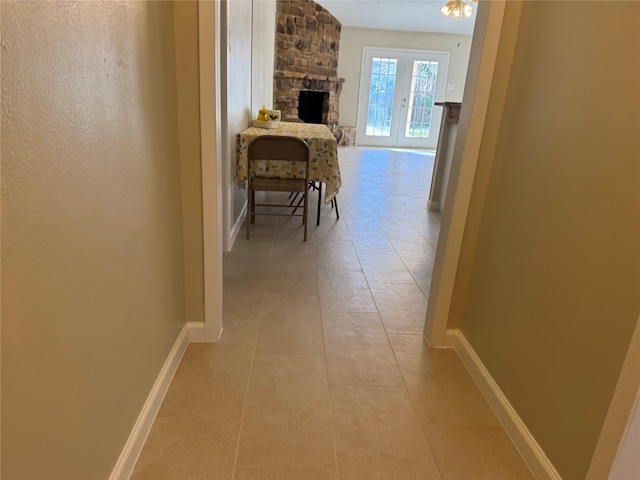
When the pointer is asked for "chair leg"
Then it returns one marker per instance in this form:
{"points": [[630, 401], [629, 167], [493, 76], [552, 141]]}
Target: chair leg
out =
{"points": [[319, 202], [297, 204], [249, 208], [295, 197], [333, 202], [253, 210], [305, 211], [303, 201], [312, 186]]}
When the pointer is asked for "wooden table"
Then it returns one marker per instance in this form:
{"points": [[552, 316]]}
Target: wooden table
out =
{"points": [[323, 153]]}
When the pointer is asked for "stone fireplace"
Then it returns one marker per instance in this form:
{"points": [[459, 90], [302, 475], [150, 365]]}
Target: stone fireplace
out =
{"points": [[307, 47]]}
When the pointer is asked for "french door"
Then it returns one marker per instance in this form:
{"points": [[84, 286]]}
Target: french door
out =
{"points": [[398, 91]]}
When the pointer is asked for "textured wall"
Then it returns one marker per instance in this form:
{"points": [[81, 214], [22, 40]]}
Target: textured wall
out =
{"points": [[553, 291], [92, 245]]}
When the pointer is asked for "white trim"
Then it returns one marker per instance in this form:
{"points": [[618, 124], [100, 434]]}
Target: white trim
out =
{"points": [[237, 226], [197, 332], [451, 337], [228, 173], [138, 436], [211, 157], [531, 452], [484, 52], [0, 283], [435, 206]]}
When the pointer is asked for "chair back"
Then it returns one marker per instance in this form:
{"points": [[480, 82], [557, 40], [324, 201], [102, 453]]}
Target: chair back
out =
{"points": [[277, 148]]}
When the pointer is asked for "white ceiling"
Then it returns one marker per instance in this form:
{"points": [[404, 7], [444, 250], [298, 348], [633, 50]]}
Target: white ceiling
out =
{"points": [[413, 15]]}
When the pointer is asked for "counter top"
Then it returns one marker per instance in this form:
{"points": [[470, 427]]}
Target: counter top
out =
{"points": [[453, 110]]}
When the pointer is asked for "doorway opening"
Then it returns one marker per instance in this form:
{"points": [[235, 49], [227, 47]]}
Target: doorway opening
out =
{"points": [[479, 77], [399, 90]]}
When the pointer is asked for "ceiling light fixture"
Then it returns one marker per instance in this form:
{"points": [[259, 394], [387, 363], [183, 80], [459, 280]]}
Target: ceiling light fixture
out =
{"points": [[456, 9]]}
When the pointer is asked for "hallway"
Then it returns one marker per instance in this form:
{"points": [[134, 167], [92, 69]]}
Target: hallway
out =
{"points": [[322, 371]]}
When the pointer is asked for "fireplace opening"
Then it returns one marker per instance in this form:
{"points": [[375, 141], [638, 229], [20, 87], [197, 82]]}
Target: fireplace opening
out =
{"points": [[313, 106]]}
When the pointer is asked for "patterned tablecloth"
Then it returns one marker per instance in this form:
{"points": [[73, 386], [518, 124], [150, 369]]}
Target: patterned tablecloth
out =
{"points": [[323, 152]]}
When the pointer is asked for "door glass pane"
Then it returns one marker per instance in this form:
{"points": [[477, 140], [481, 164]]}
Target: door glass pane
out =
{"points": [[381, 89], [421, 98]]}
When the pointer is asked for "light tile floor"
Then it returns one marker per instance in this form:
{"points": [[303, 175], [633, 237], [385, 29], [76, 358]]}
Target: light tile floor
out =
{"points": [[322, 372]]}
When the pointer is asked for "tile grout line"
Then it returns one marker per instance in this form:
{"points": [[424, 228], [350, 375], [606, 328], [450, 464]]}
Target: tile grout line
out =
{"points": [[413, 405], [315, 244], [333, 430], [326, 368], [246, 394], [393, 351]]}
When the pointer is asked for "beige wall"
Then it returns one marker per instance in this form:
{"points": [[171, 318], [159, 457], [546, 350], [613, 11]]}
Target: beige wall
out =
{"points": [[352, 41], [554, 276], [92, 244]]}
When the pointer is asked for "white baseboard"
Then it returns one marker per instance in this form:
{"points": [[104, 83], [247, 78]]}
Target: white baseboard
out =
{"points": [[450, 337], [191, 332], [531, 452], [237, 226], [433, 206], [196, 332]]}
